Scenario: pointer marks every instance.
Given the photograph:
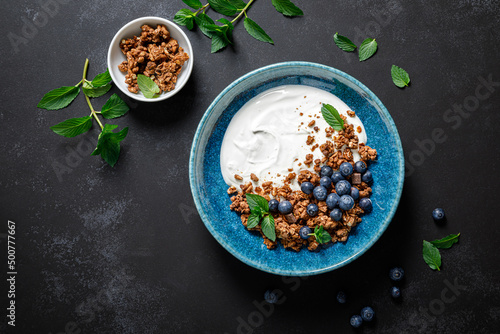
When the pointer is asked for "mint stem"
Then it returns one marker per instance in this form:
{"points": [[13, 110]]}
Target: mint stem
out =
{"points": [[85, 67], [243, 11]]}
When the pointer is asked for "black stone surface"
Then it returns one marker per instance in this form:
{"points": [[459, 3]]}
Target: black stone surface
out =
{"points": [[122, 250]]}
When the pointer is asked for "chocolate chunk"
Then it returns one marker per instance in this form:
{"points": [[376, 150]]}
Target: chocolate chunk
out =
{"points": [[291, 218], [356, 178]]}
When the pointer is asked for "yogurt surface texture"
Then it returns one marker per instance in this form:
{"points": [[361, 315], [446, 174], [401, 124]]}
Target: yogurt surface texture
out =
{"points": [[267, 136]]}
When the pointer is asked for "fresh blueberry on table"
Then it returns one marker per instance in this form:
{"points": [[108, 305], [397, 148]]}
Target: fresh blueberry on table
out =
{"points": [[336, 214], [367, 313], [438, 215], [395, 292], [343, 187], [367, 177], [366, 204], [285, 207], [312, 210], [304, 232], [270, 297], [341, 298], [273, 205], [326, 182], [360, 167], [346, 202], [326, 171], [332, 200], [356, 321], [345, 169], [336, 177], [320, 193], [354, 193], [307, 187], [396, 274]]}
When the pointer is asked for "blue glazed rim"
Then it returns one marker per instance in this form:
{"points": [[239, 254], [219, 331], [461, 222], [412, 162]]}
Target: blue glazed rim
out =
{"points": [[193, 180]]}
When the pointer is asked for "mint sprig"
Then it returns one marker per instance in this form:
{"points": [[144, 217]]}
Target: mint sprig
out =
{"points": [[431, 253], [367, 49], [287, 8], [321, 235], [148, 87], [344, 43], [108, 144], [399, 76], [332, 117], [259, 213]]}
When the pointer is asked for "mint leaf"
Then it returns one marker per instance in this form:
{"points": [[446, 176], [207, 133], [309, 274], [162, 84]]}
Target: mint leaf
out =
{"points": [[367, 49], [256, 201], [195, 4], [108, 143], [101, 79], [344, 43], [399, 76], [239, 4], [431, 255], [114, 107], [253, 220], [227, 29], [286, 7], [219, 42], [332, 117], [147, 86], [446, 242], [185, 17], [91, 91], [203, 20], [58, 98], [223, 6], [256, 31], [73, 127], [321, 235], [268, 227]]}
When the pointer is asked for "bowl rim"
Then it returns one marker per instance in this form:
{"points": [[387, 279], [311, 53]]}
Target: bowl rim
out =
{"points": [[208, 113], [187, 69]]}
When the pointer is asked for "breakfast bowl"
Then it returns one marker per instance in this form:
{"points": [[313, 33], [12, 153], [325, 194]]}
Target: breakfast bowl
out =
{"points": [[133, 28], [210, 190]]}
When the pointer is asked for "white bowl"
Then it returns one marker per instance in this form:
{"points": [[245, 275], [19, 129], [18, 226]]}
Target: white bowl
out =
{"points": [[116, 57]]}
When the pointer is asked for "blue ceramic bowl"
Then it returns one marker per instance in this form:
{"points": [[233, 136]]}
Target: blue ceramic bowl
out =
{"points": [[210, 191]]}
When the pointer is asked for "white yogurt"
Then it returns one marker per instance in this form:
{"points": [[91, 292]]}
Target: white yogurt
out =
{"points": [[266, 137]]}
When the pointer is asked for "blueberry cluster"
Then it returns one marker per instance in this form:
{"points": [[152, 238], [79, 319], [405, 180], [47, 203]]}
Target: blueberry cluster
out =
{"points": [[367, 315]]}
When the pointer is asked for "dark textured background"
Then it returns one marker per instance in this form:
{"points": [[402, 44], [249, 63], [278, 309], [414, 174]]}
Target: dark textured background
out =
{"points": [[122, 250]]}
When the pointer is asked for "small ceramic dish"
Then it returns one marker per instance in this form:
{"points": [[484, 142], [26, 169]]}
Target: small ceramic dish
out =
{"points": [[133, 28], [210, 191]]}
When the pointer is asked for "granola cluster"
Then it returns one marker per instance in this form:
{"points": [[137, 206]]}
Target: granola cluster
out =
{"points": [[156, 55]]}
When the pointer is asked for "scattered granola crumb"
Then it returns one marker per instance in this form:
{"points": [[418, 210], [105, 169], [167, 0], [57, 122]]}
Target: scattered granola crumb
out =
{"points": [[254, 177], [351, 113], [359, 129], [311, 123], [238, 177]]}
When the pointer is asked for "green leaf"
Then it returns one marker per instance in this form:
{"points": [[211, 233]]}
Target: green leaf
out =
{"points": [[73, 127], [253, 220], [431, 255], [344, 43], [446, 242], [91, 91], [268, 227], [114, 107], [108, 143], [367, 49], [218, 42], [147, 86], [101, 79], [399, 76], [286, 7], [321, 235], [332, 117], [257, 201], [223, 6], [185, 17], [256, 32], [239, 4], [227, 29], [196, 4], [58, 98], [203, 20]]}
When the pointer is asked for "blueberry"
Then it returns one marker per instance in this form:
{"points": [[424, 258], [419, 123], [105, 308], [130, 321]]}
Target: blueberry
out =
{"points": [[320, 193], [345, 169], [304, 232], [326, 182], [396, 274], [395, 292], [271, 297], [360, 167], [438, 214], [312, 209], [367, 177], [356, 321], [336, 177], [354, 193], [326, 171], [332, 200], [346, 202], [341, 297], [336, 214], [343, 187], [367, 313], [307, 187], [273, 205], [366, 204], [285, 207]]}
